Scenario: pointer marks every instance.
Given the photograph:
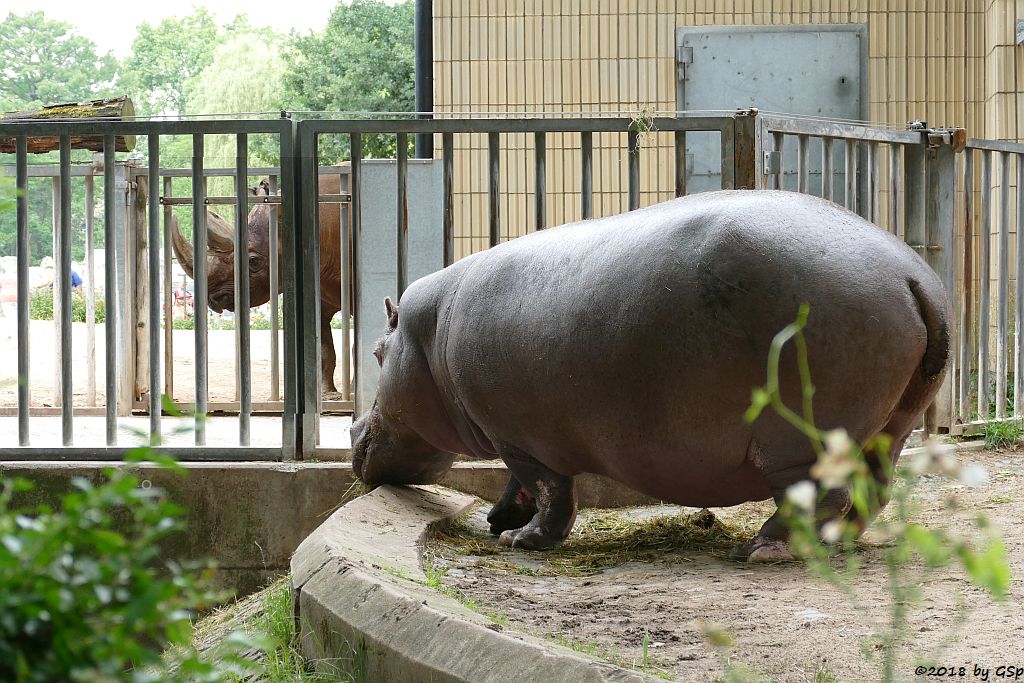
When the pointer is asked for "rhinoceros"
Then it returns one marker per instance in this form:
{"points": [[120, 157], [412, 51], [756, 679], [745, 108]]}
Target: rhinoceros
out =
{"points": [[628, 347], [220, 265]]}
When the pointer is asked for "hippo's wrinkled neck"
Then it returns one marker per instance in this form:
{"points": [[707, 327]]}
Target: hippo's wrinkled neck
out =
{"points": [[386, 452]]}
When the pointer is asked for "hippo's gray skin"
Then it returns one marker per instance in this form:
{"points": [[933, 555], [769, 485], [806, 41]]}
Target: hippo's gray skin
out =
{"points": [[628, 346]]}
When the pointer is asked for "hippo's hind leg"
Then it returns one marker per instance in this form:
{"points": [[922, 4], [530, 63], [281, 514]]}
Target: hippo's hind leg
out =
{"points": [[554, 496], [514, 509], [771, 544]]}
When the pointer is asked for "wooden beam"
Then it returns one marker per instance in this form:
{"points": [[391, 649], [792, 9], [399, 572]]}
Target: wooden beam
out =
{"points": [[116, 109]]}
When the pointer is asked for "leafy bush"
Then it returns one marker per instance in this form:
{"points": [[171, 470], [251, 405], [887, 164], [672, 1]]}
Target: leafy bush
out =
{"points": [[87, 596], [1002, 434], [40, 306]]}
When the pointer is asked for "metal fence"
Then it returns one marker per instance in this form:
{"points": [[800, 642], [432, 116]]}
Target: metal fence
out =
{"points": [[907, 181]]}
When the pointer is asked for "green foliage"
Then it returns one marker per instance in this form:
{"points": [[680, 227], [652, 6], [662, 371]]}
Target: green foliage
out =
{"points": [[46, 63], [87, 596], [40, 306], [1002, 434], [843, 463], [362, 61], [166, 59]]}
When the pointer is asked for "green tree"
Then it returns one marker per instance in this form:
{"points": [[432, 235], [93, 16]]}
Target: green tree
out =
{"points": [[362, 61], [44, 62], [166, 59]]}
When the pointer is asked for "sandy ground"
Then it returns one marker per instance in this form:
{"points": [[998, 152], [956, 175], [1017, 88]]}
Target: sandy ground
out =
{"points": [[90, 431], [787, 624]]}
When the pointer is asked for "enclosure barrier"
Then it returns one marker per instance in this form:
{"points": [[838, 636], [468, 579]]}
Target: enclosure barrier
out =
{"points": [[906, 181]]}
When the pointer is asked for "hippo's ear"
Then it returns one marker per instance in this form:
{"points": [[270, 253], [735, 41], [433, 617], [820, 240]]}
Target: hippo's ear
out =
{"points": [[392, 311]]}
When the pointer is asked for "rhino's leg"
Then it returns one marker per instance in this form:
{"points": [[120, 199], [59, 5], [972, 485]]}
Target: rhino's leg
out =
{"points": [[555, 497], [328, 359], [514, 509]]}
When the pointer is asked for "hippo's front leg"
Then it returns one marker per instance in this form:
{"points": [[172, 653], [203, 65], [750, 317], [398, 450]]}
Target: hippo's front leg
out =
{"points": [[554, 496], [514, 509]]}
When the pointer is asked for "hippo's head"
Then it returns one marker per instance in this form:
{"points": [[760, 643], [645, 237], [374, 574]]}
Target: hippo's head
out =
{"points": [[385, 450]]}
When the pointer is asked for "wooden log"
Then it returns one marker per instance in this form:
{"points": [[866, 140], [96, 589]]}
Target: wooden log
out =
{"points": [[116, 109]]}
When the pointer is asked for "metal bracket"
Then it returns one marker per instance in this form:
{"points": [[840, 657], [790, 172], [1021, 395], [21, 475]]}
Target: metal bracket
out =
{"points": [[772, 162], [684, 56]]}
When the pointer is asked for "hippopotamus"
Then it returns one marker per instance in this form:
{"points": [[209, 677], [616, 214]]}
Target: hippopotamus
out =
{"points": [[628, 347]]}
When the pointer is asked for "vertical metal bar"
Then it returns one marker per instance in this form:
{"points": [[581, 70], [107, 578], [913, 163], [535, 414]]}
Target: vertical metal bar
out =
{"points": [[275, 323], [778, 140], [894, 189], [199, 283], [803, 164], [314, 329], [940, 230], [851, 175], [633, 156], [291, 151], [402, 213], [168, 285], [346, 303], [873, 189], [56, 289], [90, 294], [64, 277], [110, 288], [242, 287], [680, 165], [447, 161], [541, 176], [1018, 313], [748, 175], [153, 248], [494, 208], [728, 160], [1002, 312], [587, 174], [826, 168], [357, 222], [24, 343], [967, 303], [984, 305]]}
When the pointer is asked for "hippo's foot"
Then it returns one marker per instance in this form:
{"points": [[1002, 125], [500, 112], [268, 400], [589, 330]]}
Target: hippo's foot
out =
{"points": [[761, 549], [530, 537], [514, 509]]}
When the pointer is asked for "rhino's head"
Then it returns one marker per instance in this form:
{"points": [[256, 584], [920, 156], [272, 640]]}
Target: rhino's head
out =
{"points": [[220, 256], [385, 450]]}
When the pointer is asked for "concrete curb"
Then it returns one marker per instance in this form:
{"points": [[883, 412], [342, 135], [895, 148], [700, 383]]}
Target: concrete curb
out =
{"points": [[363, 606]]}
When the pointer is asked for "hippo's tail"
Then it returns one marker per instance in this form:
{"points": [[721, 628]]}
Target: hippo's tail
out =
{"points": [[935, 314]]}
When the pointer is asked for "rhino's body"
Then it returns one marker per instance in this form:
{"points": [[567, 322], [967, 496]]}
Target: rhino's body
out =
{"points": [[629, 346]]}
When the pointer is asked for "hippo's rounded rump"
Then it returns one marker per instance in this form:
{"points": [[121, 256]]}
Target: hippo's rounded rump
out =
{"points": [[628, 346]]}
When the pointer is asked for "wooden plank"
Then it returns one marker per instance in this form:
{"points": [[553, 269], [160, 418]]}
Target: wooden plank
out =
{"points": [[115, 109]]}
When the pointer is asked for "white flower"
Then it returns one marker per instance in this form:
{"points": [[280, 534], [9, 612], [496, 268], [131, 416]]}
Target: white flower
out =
{"points": [[838, 442], [974, 474], [832, 531], [802, 494]]}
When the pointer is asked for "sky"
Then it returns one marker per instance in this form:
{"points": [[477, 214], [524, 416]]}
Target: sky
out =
{"points": [[111, 24]]}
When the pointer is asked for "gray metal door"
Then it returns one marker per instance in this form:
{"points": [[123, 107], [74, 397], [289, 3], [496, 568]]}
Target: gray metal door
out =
{"points": [[818, 70]]}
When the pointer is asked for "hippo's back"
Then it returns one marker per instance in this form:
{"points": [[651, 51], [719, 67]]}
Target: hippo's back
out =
{"points": [[628, 346]]}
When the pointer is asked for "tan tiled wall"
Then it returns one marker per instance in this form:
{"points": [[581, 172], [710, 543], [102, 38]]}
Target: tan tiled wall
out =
{"points": [[951, 62]]}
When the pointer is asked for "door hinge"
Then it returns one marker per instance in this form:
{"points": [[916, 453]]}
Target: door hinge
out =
{"points": [[684, 56], [772, 162]]}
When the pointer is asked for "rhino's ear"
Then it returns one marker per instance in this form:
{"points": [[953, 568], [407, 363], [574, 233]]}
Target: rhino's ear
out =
{"points": [[392, 310]]}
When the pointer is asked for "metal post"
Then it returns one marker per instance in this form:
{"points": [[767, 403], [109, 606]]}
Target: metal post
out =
{"points": [[153, 249], [633, 156], [873, 189], [802, 164], [447, 161], [24, 343], [110, 274], [587, 174], [242, 287], [423, 47], [55, 289], [118, 243], [984, 305], [290, 167], [1018, 315], [199, 280], [402, 213], [967, 302], [168, 286], [493, 171], [90, 294], [540, 180], [894, 189], [941, 229], [346, 293], [851, 175], [275, 323], [680, 165], [826, 168], [357, 222], [63, 276], [1003, 256]]}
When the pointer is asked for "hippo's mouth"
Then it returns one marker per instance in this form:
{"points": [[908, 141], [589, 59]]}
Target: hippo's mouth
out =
{"points": [[359, 443]]}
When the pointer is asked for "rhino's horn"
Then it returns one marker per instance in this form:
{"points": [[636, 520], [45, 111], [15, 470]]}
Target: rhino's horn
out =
{"points": [[182, 247], [220, 235]]}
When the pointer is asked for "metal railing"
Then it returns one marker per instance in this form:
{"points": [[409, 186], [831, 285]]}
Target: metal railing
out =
{"points": [[904, 180]]}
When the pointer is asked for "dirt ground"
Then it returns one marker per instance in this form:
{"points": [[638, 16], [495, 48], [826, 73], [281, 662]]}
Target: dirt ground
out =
{"points": [[787, 624]]}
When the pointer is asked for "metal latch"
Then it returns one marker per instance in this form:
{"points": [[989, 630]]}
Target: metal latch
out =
{"points": [[773, 162], [684, 56]]}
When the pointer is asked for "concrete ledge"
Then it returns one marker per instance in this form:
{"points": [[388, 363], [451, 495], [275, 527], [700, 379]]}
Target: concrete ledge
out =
{"points": [[363, 607]]}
